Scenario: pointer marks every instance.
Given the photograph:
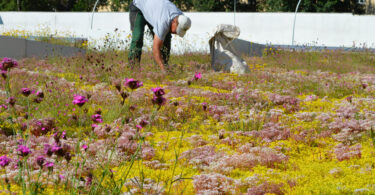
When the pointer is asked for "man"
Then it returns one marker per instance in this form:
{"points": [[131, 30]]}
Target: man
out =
{"points": [[163, 18]]}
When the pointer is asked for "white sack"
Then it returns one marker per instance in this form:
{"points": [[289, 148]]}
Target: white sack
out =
{"points": [[223, 54]]}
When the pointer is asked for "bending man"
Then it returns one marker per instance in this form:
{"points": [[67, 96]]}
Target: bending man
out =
{"points": [[163, 18]]}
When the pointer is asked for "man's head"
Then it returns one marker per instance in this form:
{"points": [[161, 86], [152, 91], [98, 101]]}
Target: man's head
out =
{"points": [[180, 25]]}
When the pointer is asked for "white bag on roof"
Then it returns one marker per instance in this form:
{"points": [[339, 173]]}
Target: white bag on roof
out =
{"points": [[223, 54]]}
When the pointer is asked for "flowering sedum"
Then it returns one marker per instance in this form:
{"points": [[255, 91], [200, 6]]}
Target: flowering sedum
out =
{"points": [[297, 124]]}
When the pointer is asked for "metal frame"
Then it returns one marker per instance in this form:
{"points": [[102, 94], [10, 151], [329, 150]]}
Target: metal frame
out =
{"points": [[294, 23], [93, 11]]}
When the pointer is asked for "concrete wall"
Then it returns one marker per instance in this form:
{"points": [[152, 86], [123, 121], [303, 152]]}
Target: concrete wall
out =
{"points": [[334, 30], [21, 48]]}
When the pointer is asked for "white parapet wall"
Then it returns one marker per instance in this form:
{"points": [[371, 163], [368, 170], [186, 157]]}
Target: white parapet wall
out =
{"points": [[332, 30]]}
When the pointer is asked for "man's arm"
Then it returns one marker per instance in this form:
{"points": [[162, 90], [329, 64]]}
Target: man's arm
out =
{"points": [[157, 53]]}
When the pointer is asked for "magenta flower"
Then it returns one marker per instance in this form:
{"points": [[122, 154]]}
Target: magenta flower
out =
{"points": [[25, 91], [8, 63], [57, 136], [61, 177], [63, 135], [158, 91], [197, 76], [40, 94], [48, 149], [89, 179], [40, 161], [84, 147], [139, 126], [79, 100], [39, 97], [23, 150], [57, 150], [11, 101], [97, 118], [4, 106], [143, 123], [159, 100], [133, 84], [49, 165], [4, 161]]}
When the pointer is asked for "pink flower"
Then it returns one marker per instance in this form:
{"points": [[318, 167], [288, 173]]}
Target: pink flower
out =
{"points": [[159, 100], [158, 91], [59, 151], [40, 161], [4, 106], [63, 135], [11, 101], [40, 94], [84, 146], [97, 118], [23, 150], [8, 63], [79, 100], [139, 126], [48, 149], [4, 161], [133, 84], [89, 179], [49, 165], [143, 123], [197, 76], [25, 91], [61, 177]]}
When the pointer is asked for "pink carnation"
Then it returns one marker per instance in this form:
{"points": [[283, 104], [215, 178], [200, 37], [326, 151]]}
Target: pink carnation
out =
{"points": [[133, 84], [79, 100], [158, 91], [97, 118], [197, 76], [4, 161], [8, 63]]}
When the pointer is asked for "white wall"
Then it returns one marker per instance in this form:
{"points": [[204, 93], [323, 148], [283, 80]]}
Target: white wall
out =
{"points": [[265, 28]]}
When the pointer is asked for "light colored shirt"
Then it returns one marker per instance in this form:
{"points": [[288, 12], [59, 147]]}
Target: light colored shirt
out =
{"points": [[159, 13]]}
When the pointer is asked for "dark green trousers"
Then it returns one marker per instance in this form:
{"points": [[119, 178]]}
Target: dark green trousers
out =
{"points": [[137, 25]]}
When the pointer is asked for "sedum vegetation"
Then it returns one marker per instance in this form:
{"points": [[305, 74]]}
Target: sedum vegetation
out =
{"points": [[299, 123]]}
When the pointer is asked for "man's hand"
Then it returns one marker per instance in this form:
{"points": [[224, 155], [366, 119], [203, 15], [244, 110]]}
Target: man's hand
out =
{"points": [[157, 53]]}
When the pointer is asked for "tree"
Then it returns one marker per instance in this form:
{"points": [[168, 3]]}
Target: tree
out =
{"points": [[215, 5], [336, 6], [120, 5], [50, 5], [87, 5], [8, 5]]}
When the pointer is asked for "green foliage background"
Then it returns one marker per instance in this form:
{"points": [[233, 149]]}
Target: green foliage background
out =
{"points": [[190, 5]]}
